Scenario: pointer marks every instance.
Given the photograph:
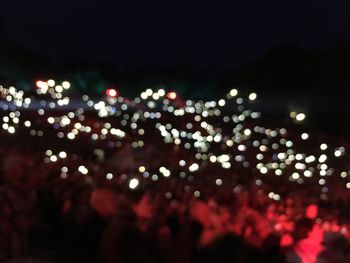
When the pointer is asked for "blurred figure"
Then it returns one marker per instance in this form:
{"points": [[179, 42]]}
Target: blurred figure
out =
{"points": [[307, 244], [121, 241], [81, 228], [144, 211], [200, 212], [18, 211], [335, 247], [104, 202], [177, 243]]}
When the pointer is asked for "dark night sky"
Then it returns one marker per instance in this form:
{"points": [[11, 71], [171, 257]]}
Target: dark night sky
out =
{"points": [[168, 33]]}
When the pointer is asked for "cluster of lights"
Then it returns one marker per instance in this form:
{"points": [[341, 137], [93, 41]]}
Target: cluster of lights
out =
{"points": [[215, 133], [15, 97], [50, 86], [51, 157]]}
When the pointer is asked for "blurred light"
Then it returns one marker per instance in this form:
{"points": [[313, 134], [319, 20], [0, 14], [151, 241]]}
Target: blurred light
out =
{"points": [[263, 170], [133, 183], [53, 158], [11, 129], [323, 146], [58, 88], [226, 165], [65, 84], [39, 83], [322, 158], [252, 96], [111, 92], [304, 136], [51, 83], [278, 172], [218, 182], [322, 181], [109, 176], [62, 155], [233, 92], [161, 92], [82, 169], [27, 123], [300, 116], [295, 176], [71, 136], [222, 102], [142, 169], [338, 153], [194, 167], [182, 162], [293, 114], [171, 95], [307, 173], [343, 174]]}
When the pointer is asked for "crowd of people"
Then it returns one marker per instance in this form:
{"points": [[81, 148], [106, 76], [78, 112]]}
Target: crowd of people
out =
{"points": [[159, 180], [47, 219]]}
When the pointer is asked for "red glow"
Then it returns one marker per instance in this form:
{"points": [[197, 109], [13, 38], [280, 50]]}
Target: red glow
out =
{"points": [[111, 92], [312, 211], [171, 95], [286, 240]]}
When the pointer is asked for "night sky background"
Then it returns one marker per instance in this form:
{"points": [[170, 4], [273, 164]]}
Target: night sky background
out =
{"points": [[199, 34]]}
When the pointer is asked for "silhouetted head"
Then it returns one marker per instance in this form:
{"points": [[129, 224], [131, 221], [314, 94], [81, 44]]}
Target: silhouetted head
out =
{"points": [[302, 228]]}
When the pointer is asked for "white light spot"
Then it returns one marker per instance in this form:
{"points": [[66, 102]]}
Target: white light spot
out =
{"points": [[252, 96], [304, 136], [233, 92], [218, 182], [62, 155], [323, 146], [263, 170], [300, 116], [133, 183]]}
